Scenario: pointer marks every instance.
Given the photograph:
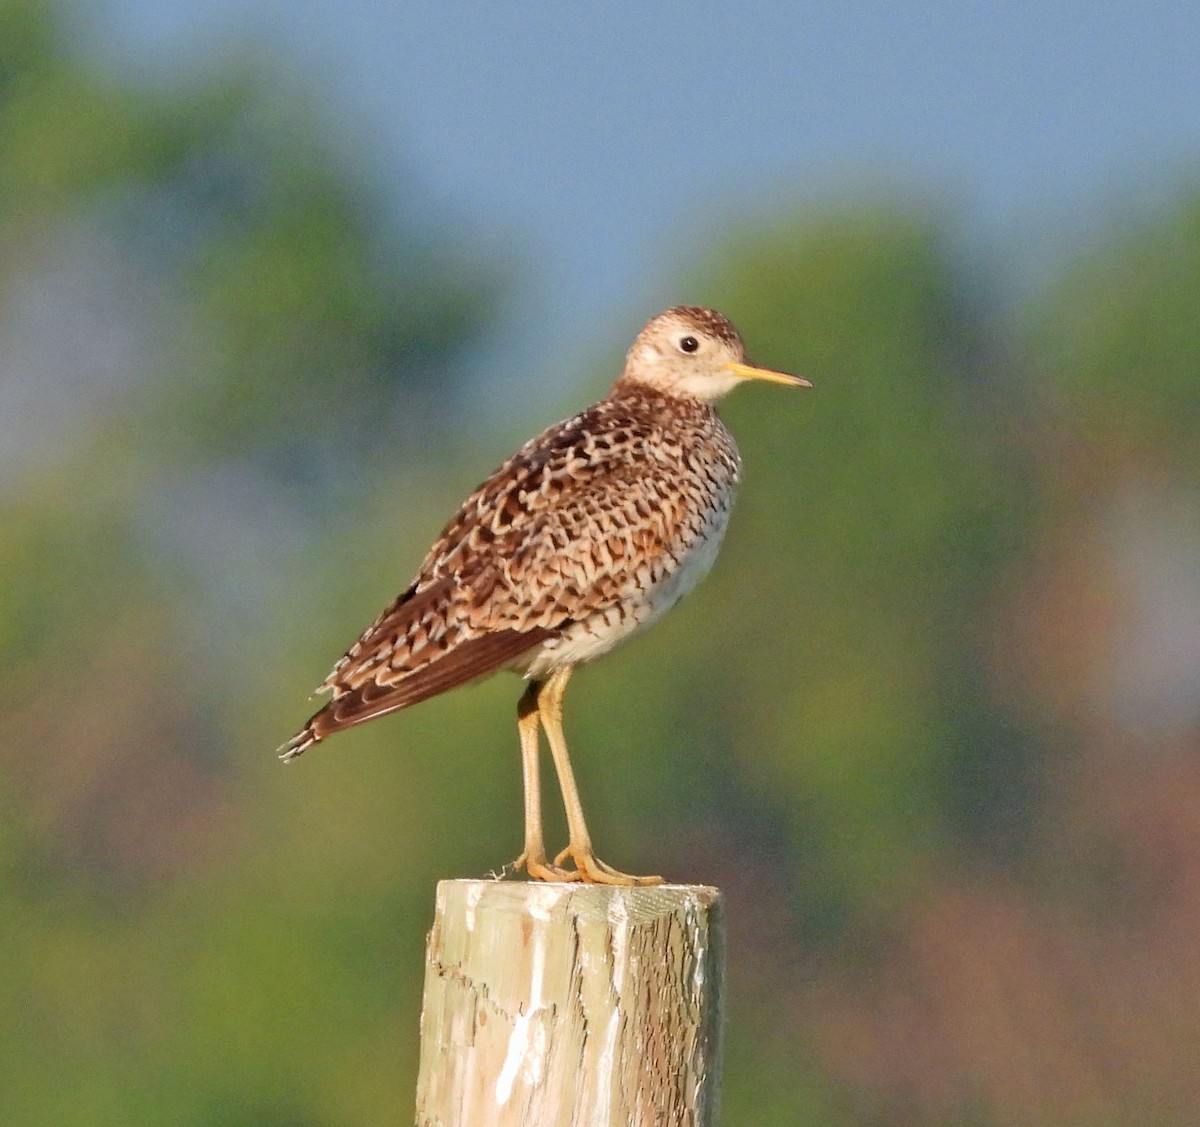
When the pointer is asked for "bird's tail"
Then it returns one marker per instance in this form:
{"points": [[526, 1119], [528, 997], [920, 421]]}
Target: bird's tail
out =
{"points": [[300, 742]]}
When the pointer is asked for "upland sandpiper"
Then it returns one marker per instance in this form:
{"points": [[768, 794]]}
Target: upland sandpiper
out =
{"points": [[586, 535]]}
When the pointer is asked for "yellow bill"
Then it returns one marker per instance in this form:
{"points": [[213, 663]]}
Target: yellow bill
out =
{"points": [[749, 372]]}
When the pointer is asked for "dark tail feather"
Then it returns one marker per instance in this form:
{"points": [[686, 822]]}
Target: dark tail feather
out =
{"points": [[299, 743], [466, 662]]}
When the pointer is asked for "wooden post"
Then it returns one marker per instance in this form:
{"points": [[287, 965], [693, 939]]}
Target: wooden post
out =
{"points": [[571, 1005]]}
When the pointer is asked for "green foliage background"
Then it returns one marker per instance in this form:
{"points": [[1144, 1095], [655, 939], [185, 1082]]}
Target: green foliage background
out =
{"points": [[884, 726]]}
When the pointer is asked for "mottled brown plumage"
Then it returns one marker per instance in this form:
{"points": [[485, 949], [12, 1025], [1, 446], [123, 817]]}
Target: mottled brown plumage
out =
{"points": [[588, 533]]}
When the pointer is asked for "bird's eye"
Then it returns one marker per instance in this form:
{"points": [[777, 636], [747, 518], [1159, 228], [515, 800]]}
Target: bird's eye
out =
{"points": [[688, 344]]}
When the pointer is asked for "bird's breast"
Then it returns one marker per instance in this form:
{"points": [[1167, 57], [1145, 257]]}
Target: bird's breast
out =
{"points": [[653, 573]]}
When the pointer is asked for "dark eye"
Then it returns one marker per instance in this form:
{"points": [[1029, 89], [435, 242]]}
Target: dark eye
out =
{"points": [[688, 344]]}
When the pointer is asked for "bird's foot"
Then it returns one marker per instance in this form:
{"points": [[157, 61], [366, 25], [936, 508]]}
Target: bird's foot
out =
{"points": [[590, 868], [538, 868]]}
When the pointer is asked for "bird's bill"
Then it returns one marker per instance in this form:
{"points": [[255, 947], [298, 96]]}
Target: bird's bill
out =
{"points": [[749, 372]]}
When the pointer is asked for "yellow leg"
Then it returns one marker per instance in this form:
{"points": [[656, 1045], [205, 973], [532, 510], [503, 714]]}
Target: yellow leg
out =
{"points": [[579, 849], [533, 859]]}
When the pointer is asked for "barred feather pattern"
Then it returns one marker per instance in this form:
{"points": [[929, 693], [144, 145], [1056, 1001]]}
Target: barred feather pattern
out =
{"points": [[588, 533]]}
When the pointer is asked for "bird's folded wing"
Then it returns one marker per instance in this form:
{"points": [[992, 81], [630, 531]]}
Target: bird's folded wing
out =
{"points": [[569, 526], [466, 662], [581, 518]]}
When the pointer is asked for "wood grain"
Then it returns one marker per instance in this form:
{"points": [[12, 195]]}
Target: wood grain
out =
{"points": [[565, 1005]]}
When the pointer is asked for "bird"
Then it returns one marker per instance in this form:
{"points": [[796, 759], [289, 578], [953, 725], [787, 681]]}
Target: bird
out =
{"points": [[587, 535]]}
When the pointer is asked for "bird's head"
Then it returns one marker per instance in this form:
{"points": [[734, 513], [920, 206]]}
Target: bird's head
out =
{"points": [[694, 353]]}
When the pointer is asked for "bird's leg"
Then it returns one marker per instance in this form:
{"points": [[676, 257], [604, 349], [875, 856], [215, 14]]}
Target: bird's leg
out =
{"points": [[579, 849], [533, 859]]}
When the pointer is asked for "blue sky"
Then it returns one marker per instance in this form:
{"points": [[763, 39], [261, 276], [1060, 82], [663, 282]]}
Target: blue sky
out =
{"points": [[605, 144]]}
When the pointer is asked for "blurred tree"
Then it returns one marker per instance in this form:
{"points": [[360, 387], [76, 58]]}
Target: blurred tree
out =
{"points": [[1116, 340], [1089, 1010], [1111, 618], [212, 330]]}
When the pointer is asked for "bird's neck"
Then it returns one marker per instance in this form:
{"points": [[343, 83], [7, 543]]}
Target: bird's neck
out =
{"points": [[656, 399]]}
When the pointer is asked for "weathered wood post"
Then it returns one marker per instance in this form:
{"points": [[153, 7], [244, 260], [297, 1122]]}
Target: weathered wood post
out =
{"points": [[569, 1005]]}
